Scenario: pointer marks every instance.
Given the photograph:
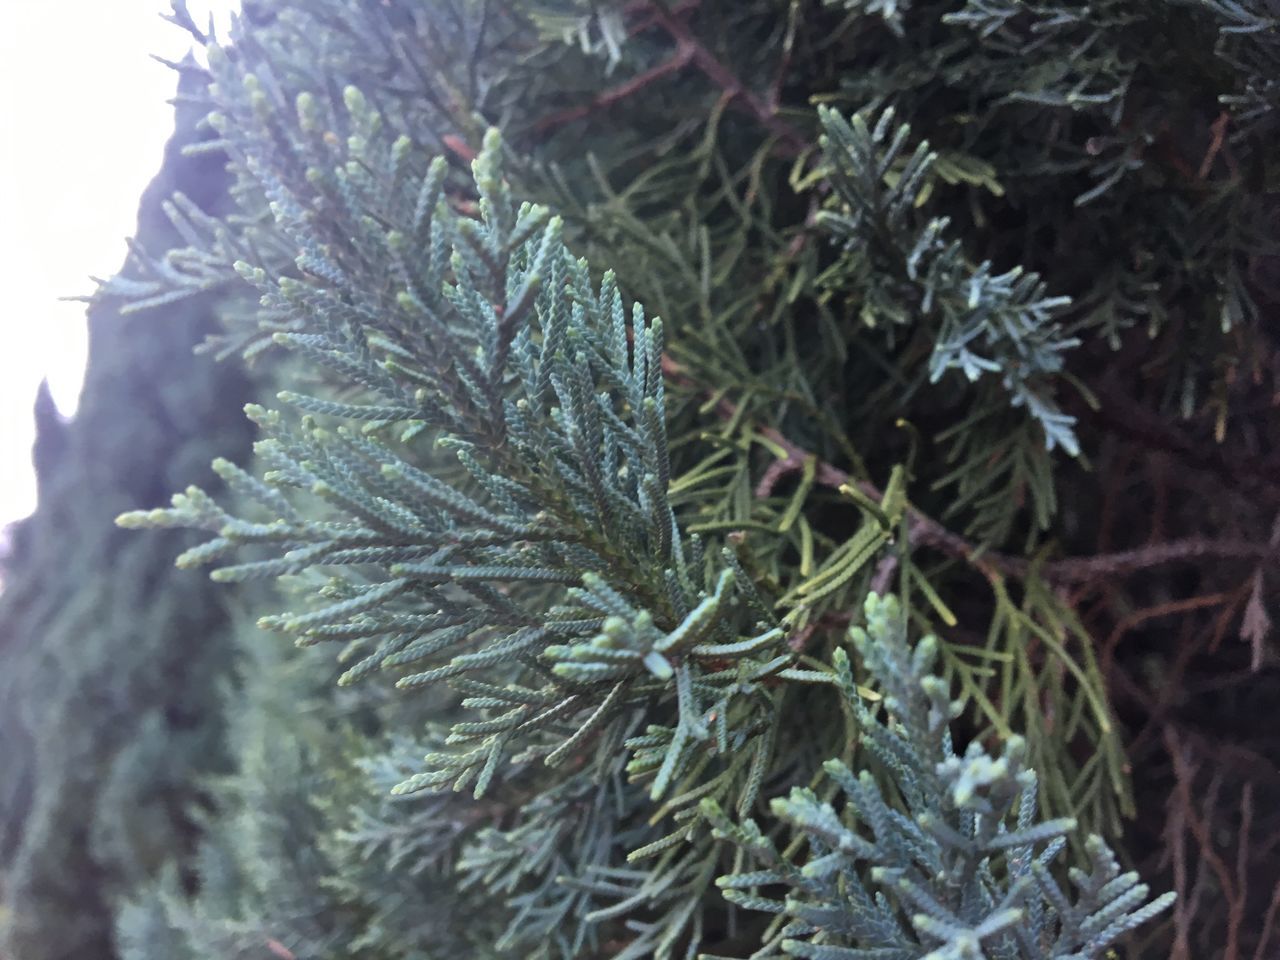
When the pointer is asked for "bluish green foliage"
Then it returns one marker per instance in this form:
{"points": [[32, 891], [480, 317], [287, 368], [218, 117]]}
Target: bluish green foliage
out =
{"points": [[548, 582], [564, 562], [1002, 324], [547, 579], [946, 860], [587, 571]]}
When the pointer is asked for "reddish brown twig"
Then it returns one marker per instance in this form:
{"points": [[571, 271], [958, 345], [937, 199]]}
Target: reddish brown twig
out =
{"points": [[676, 62], [1268, 925], [728, 81], [925, 531], [1118, 414], [1232, 890], [1081, 569], [775, 472], [646, 14], [689, 49], [1219, 130]]}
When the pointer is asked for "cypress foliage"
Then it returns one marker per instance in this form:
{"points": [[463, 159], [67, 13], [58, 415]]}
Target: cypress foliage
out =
{"points": [[109, 658], [624, 608]]}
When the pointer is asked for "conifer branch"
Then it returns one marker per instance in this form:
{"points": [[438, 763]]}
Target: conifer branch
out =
{"points": [[615, 95], [728, 82], [501, 519], [923, 530], [962, 871]]}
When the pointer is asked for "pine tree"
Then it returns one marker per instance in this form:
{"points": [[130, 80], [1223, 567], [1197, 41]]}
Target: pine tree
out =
{"points": [[604, 440]]}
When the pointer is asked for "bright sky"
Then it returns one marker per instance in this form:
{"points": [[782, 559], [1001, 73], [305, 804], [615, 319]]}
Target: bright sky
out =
{"points": [[83, 122]]}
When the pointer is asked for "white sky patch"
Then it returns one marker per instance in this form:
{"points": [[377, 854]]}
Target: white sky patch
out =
{"points": [[83, 123]]}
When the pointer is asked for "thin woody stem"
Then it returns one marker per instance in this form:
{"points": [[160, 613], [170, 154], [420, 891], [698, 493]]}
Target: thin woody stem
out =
{"points": [[678, 61], [719, 74], [690, 50], [925, 531]]}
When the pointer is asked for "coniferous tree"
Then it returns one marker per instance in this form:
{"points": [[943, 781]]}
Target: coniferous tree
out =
{"points": [[110, 659], [945, 288]]}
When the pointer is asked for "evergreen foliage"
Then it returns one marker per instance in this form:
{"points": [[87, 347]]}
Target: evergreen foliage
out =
{"points": [[590, 573], [964, 858], [109, 658]]}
